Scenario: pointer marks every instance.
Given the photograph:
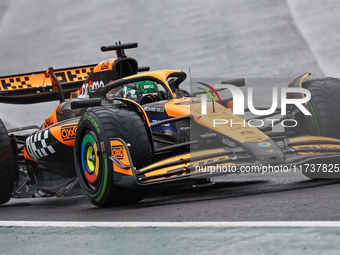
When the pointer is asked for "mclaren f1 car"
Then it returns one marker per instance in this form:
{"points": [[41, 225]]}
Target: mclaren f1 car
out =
{"points": [[121, 129]]}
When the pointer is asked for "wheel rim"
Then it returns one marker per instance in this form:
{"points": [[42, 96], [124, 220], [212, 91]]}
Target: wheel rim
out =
{"points": [[90, 159]]}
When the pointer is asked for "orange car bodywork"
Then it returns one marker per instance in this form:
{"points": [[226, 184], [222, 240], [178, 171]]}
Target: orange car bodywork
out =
{"points": [[173, 167]]}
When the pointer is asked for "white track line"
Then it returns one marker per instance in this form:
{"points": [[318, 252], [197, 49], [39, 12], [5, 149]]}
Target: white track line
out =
{"points": [[191, 224]]}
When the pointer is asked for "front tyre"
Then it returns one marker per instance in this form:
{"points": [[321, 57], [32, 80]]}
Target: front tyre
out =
{"points": [[7, 166], [92, 151], [325, 120], [324, 105]]}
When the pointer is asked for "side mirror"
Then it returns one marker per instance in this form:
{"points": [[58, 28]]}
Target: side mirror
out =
{"points": [[238, 82]]}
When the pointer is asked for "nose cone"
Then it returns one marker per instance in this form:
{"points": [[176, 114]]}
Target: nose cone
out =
{"points": [[266, 152]]}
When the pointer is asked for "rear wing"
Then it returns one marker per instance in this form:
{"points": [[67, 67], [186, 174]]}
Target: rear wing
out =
{"points": [[59, 84], [42, 86]]}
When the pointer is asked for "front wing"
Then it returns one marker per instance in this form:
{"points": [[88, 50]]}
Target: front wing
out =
{"points": [[315, 157]]}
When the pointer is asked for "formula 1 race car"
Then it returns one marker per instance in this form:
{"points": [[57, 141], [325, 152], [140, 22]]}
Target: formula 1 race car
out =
{"points": [[121, 129]]}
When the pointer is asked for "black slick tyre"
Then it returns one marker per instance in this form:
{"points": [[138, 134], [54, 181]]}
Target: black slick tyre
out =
{"points": [[92, 150], [7, 166], [324, 106]]}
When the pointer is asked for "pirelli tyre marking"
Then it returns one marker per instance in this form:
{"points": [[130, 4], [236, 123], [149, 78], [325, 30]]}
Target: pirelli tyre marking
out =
{"points": [[36, 145]]}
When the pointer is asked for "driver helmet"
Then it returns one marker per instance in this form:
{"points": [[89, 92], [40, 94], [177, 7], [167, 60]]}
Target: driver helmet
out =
{"points": [[141, 92]]}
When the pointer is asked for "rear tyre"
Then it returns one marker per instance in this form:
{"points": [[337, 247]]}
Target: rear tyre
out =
{"points": [[92, 150], [7, 166]]}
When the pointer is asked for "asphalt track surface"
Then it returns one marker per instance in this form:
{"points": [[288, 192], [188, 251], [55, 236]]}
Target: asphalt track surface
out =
{"points": [[252, 39], [243, 197]]}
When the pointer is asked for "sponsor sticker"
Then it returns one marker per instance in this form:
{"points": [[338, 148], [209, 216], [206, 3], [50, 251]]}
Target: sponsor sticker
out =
{"points": [[264, 144], [68, 132], [117, 151]]}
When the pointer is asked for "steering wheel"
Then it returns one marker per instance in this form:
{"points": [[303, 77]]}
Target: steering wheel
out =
{"points": [[148, 99]]}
